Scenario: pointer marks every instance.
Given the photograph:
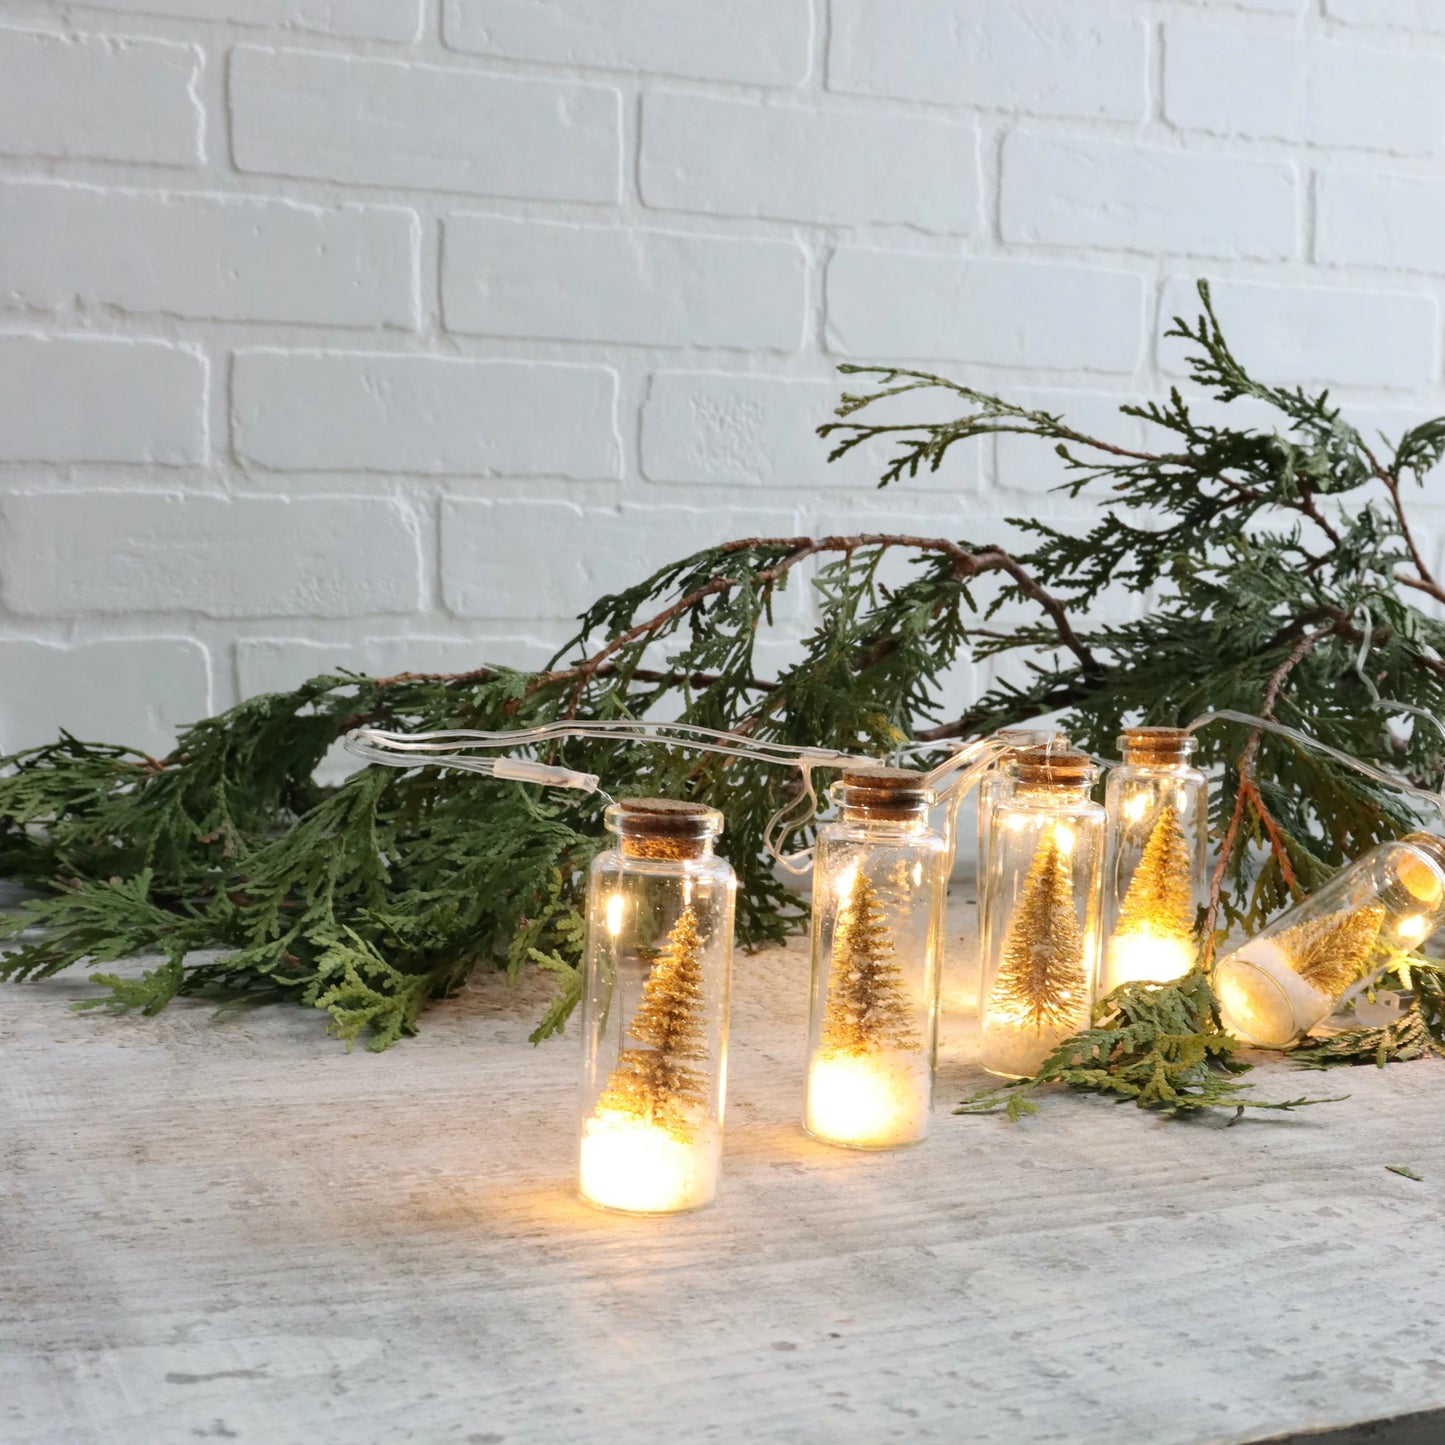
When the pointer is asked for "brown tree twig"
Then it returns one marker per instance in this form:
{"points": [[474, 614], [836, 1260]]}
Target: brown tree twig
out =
{"points": [[641, 674], [1389, 477], [966, 563], [1248, 788]]}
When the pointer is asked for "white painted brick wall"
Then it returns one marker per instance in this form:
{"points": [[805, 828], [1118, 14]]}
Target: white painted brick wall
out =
{"points": [[100, 97], [1015, 313], [307, 411], [761, 42], [358, 19], [390, 123], [119, 553], [386, 333], [1078, 191], [1363, 338], [1368, 218], [1239, 82], [226, 257], [736, 158], [1046, 59], [137, 688], [563, 282], [100, 399]]}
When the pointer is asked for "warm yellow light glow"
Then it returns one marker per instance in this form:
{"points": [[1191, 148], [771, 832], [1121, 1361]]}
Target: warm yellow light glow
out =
{"points": [[847, 879], [918, 875], [1412, 929], [1014, 1051], [1262, 999], [630, 1164], [868, 1101], [1064, 837], [1420, 878], [614, 914], [1146, 956], [1135, 808]]}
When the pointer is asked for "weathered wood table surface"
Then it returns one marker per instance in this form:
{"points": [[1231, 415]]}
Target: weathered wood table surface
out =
{"points": [[233, 1230]]}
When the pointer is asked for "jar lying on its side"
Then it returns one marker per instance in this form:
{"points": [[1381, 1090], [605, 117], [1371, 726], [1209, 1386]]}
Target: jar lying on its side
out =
{"points": [[1295, 972]]}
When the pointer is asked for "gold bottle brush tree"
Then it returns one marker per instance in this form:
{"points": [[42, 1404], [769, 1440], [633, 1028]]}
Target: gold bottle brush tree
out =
{"points": [[878, 888], [655, 1010], [1042, 927], [996, 784], [1157, 859], [1315, 956], [997, 781]]}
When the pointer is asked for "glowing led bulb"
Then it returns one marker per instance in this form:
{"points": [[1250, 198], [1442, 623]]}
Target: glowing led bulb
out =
{"points": [[631, 1164], [1412, 929], [614, 914], [1146, 956], [868, 1101]]}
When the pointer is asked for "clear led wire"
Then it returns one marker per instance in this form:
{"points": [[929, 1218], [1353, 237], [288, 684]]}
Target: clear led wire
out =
{"points": [[949, 780]]}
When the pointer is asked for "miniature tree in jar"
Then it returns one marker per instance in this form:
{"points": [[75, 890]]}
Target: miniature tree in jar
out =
{"points": [[878, 892], [655, 1010], [1275, 988], [1042, 928], [1157, 859], [996, 784]]}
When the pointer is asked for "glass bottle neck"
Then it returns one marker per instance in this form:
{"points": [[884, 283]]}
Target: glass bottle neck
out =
{"points": [[908, 820], [1052, 795]]}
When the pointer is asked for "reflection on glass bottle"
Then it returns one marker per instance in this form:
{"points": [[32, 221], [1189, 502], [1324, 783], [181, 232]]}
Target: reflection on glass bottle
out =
{"points": [[997, 781], [1042, 928], [1275, 988], [878, 889], [655, 1010], [1158, 810]]}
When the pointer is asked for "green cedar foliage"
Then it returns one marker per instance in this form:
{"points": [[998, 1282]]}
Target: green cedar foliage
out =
{"points": [[1265, 555], [1162, 1047]]}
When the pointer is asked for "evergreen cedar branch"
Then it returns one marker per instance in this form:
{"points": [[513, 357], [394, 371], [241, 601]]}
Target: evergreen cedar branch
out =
{"points": [[1261, 549]]}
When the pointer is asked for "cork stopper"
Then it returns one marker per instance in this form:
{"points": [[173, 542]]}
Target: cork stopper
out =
{"points": [[664, 828], [1045, 767], [1157, 747], [889, 795]]}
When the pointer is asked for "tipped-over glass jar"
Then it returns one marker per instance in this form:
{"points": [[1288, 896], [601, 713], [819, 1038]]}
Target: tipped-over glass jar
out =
{"points": [[1157, 857], [878, 891], [1296, 971], [655, 1010], [1042, 928]]}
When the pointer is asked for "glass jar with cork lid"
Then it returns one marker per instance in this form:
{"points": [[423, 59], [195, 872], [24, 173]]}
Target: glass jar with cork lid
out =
{"points": [[1315, 956], [655, 1009], [878, 895], [1042, 929], [1157, 858]]}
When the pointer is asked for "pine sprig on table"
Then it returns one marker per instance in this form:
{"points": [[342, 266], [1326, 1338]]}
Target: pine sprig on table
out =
{"points": [[1419, 1033], [1270, 552], [1159, 1045]]}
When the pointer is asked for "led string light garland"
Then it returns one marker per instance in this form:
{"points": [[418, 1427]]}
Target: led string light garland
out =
{"points": [[1053, 929]]}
